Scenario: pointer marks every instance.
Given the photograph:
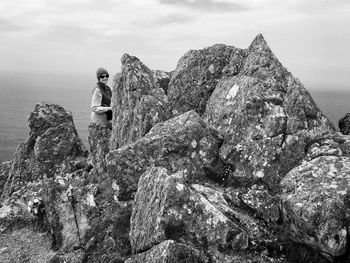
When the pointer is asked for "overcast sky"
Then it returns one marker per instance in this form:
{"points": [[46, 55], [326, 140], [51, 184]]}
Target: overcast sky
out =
{"points": [[310, 37]]}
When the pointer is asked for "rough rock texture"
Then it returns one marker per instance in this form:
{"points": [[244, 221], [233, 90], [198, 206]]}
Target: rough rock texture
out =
{"points": [[53, 147], [4, 173], [169, 251], [138, 103], [203, 186], [166, 207], [162, 79], [344, 124], [98, 138], [52, 155], [182, 213], [196, 76], [266, 115], [65, 213], [184, 142], [107, 239], [316, 204]]}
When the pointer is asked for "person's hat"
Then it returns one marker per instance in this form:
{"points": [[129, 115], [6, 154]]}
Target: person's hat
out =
{"points": [[100, 72]]}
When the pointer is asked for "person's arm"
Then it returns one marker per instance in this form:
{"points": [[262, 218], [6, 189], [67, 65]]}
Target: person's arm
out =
{"points": [[96, 102]]}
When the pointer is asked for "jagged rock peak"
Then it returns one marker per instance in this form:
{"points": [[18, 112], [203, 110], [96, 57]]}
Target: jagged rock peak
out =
{"points": [[47, 115], [259, 44], [126, 58], [134, 64]]}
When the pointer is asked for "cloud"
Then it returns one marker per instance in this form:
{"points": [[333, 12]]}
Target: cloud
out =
{"points": [[69, 34], [174, 19], [166, 20], [8, 26], [207, 5]]}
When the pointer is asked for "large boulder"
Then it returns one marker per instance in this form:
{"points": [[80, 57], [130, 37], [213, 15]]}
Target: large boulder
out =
{"points": [[316, 204], [166, 207], [184, 142], [196, 76], [138, 102], [267, 117], [53, 147], [40, 177]]}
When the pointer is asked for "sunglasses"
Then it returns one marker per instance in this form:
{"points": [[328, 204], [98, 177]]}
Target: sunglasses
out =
{"points": [[104, 76]]}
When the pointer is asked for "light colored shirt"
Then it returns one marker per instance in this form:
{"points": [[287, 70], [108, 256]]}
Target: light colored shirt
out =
{"points": [[97, 111]]}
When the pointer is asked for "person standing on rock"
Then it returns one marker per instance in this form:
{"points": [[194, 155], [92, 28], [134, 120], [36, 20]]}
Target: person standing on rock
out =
{"points": [[101, 99]]}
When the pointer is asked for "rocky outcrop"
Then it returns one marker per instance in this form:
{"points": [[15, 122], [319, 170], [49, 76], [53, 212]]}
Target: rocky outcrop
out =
{"points": [[344, 124], [52, 155], [267, 117], [184, 142], [53, 147], [316, 204], [196, 76], [225, 159], [139, 102]]}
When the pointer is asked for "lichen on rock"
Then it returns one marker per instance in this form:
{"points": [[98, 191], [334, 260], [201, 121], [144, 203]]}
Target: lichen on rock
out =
{"points": [[225, 159], [315, 202]]}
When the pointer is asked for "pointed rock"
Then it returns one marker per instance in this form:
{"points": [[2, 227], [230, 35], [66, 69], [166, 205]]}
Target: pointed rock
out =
{"points": [[138, 104], [267, 118], [259, 44], [183, 142], [53, 147], [196, 76]]}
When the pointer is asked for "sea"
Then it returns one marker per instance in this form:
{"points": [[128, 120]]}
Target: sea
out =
{"points": [[19, 92]]}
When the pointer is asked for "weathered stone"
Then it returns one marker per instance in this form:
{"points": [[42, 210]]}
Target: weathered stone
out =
{"points": [[266, 206], [316, 204], [324, 147], [184, 142], [342, 140], [53, 147], [344, 124], [98, 138], [196, 76], [266, 116], [107, 239], [4, 173], [65, 214], [45, 116], [169, 251], [176, 211], [15, 211], [138, 104], [207, 190], [162, 79]]}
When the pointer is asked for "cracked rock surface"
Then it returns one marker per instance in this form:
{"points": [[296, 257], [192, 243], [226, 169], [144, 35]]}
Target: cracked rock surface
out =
{"points": [[225, 159]]}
